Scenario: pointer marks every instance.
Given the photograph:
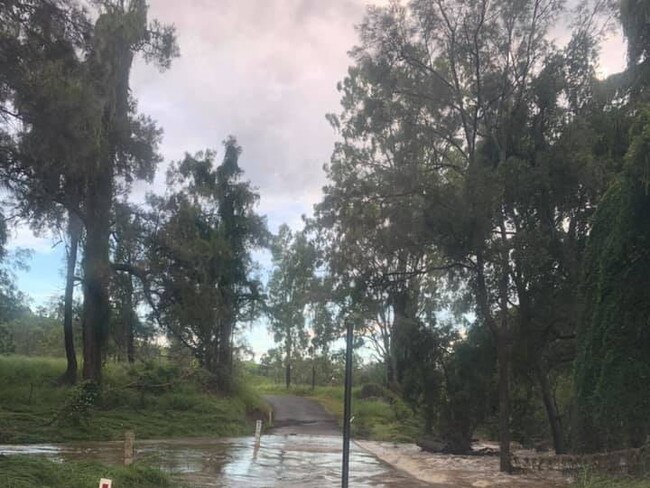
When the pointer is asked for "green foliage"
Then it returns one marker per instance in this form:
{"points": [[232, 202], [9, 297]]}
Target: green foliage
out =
{"points": [[468, 398], [199, 256], [36, 334], [371, 390], [612, 370], [28, 472], [13, 303], [32, 398], [329, 368], [463, 174], [418, 351], [633, 15], [151, 376], [291, 290], [588, 479], [77, 410]]}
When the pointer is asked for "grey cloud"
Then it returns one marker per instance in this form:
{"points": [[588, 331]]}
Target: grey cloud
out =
{"points": [[263, 70]]}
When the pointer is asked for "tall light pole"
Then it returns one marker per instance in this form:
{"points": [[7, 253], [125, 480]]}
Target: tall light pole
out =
{"points": [[347, 406]]}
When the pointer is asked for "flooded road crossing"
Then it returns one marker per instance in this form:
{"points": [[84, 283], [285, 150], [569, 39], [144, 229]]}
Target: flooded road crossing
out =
{"points": [[280, 461]]}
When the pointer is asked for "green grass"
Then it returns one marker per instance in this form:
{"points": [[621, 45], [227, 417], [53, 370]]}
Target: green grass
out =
{"points": [[386, 419], [593, 480], [30, 472], [31, 404]]}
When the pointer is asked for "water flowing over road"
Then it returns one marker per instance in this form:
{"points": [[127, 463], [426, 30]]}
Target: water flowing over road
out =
{"points": [[303, 450]]}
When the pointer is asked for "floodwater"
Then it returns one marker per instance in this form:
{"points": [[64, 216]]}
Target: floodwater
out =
{"points": [[280, 461]]}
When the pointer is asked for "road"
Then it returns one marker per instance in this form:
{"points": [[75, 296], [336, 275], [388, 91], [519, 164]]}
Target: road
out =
{"points": [[293, 415]]}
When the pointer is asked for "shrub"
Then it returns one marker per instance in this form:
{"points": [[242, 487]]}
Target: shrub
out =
{"points": [[371, 390], [153, 376], [78, 408]]}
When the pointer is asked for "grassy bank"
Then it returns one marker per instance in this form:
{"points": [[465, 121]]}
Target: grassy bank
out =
{"points": [[155, 400], [590, 480], [381, 418], [27, 472]]}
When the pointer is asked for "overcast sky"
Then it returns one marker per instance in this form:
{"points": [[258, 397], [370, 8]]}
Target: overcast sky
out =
{"points": [[264, 71]]}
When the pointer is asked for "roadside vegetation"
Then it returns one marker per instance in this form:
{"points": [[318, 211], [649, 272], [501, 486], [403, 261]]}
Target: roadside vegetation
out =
{"points": [[29, 472], [594, 480], [156, 399]]}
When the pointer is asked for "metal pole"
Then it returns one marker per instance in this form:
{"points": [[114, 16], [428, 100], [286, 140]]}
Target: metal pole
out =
{"points": [[347, 407]]}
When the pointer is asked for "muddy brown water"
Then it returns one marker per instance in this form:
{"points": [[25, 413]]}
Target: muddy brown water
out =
{"points": [[280, 461]]}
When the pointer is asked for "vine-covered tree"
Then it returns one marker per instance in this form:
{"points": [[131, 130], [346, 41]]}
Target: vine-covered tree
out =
{"points": [[612, 368]]}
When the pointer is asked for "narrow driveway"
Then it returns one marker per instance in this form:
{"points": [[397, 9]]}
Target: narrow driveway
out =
{"points": [[293, 415]]}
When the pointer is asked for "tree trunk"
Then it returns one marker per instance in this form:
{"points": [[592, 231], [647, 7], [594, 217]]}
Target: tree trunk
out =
{"points": [[97, 271], [502, 336], [313, 373], [503, 357], [399, 302], [128, 316], [388, 366], [74, 232], [224, 363], [551, 411], [227, 327], [110, 61], [287, 372]]}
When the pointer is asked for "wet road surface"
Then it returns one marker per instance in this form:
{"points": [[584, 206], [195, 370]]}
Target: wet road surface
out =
{"points": [[281, 461]]}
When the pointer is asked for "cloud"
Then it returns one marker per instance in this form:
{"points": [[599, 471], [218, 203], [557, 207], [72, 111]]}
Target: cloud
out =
{"points": [[266, 72], [263, 71], [22, 236]]}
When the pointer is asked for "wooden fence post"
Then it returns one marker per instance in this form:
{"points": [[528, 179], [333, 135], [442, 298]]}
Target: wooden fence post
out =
{"points": [[129, 447]]}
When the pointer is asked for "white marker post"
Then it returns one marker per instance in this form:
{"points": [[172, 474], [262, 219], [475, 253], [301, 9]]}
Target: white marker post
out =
{"points": [[104, 483], [258, 433]]}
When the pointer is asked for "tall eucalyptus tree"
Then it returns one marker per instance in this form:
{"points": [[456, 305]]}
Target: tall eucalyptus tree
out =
{"points": [[201, 276], [291, 289]]}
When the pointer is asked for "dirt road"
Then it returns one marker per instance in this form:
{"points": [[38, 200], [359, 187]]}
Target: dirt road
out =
{"points": [[293, 415]]}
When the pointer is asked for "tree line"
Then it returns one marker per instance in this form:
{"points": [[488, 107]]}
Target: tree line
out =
{"points": [[485, 222], [72, 144]]}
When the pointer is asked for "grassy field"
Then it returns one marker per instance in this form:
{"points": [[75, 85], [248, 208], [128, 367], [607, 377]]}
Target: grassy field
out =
{"points": [[381, 419], [155, 400], [24, 472]]}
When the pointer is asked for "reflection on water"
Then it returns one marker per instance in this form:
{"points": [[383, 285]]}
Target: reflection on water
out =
{"points": [[281, 461]]}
